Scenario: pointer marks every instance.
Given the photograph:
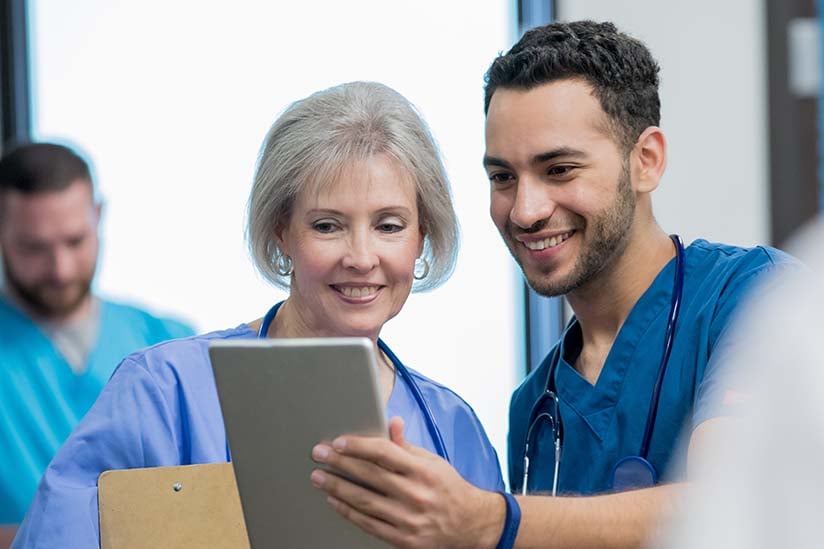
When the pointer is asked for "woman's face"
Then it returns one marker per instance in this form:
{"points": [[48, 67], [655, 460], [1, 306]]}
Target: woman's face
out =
{"points": [[353, 245]]}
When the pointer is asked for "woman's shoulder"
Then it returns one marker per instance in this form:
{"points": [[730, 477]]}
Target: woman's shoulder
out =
{"points": [[440, 396], [470, 450]]}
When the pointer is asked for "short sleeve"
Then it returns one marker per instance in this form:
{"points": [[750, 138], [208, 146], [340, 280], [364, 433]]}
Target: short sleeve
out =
{"points": [[727, 384]]}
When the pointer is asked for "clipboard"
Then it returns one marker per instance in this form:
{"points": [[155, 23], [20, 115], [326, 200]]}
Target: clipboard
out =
{"points": [[188, 506]]}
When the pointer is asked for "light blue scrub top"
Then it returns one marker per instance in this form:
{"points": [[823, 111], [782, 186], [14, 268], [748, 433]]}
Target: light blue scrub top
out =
{"points": [[605, 422], [42, 399], [161, 408]]}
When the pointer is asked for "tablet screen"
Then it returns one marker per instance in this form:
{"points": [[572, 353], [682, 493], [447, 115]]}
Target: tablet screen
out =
{"points": [[279, 398]]}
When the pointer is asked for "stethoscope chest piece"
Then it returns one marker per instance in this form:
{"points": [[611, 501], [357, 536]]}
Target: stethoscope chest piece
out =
{"points": [[633, 472]]}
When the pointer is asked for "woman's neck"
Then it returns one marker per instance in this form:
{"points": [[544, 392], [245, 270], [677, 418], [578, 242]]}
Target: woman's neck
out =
{"points": [[289, 322]]}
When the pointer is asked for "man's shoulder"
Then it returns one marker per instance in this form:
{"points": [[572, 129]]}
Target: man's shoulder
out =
{"points": [[8, 312], [18, 333], [715, 254], [164, 326], [724, 269]]}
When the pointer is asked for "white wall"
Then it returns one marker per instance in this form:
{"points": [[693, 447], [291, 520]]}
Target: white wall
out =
{"points": [[172, 99], [714, 110]]}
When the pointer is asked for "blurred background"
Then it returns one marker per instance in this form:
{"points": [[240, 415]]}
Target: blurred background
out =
{"points": [[171, 99]]}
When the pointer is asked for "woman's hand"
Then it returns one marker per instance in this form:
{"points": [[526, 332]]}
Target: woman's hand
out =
{"points": [[416, 498]]}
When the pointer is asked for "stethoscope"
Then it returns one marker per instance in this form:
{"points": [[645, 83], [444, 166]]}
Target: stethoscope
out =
{"points": [[431, 426], [631, 471]]}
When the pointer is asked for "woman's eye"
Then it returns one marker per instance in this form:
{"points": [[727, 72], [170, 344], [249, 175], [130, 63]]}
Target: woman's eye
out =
{"points": [[324, 227], [390, 227]]}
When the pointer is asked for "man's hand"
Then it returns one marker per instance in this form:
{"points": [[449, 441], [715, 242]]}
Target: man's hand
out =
{"points": [[417, 498]]}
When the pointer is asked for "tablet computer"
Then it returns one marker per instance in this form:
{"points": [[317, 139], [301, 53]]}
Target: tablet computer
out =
{"points": [[279, 398]]}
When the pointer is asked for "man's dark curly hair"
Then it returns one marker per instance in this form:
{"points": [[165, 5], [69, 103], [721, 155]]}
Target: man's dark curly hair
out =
{"points": [[620, 69]]}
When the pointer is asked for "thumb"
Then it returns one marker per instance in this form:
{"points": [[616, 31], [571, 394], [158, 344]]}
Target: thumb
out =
{"points": [[396, 427]]}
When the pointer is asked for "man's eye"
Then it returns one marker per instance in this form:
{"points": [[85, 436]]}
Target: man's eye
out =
{"points": [[77, 242], [33, 249], [560, 170], [501, 177]]}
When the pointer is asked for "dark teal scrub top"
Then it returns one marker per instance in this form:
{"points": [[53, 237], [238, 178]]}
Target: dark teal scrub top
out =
{"points": [[42, 399], [605, 422]]}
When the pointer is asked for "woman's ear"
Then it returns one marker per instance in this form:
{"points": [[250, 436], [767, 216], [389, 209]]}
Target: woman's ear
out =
{"points": [[649, 159], [280, 238], [423, 241]]}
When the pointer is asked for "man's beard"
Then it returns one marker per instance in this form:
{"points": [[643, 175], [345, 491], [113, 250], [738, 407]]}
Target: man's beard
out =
{"points": [[36, 298], [609, 234]]}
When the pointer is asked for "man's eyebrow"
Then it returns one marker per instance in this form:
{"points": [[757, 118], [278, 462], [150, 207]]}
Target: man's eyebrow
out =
{"points": [[540, 158], [560, 152], [494, 161]]}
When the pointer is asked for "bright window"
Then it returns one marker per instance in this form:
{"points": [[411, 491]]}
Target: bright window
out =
{"points": [[171, 101]]}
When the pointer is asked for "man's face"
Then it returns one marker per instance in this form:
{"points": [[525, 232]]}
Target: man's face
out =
{"points": [[49, 247], [561, 191]]}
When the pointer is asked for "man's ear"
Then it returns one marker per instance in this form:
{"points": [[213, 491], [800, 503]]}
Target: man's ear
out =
{"points": [[649, 159], [98, 211]]}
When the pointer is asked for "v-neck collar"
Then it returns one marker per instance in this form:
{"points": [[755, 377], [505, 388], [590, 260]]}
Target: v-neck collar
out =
{"points": [[596, 404]]}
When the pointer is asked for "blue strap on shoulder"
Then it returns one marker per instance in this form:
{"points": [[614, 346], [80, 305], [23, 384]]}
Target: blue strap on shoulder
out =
{"points": [[511, 523]]}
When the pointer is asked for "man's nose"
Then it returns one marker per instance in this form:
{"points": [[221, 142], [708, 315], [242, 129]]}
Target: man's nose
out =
{"points": [[63, 265], [533, 203]]}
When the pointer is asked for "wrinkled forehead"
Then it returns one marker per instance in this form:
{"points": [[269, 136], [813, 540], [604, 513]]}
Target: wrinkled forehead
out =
{"points": [[331, 179]]}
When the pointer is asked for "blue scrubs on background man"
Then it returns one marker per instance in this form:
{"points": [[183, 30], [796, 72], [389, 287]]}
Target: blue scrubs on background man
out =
{"points": [[161, 408], [42, 399], [605, 422]]}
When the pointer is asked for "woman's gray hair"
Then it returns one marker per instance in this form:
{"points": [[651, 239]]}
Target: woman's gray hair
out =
{"points": [[317, 138]]}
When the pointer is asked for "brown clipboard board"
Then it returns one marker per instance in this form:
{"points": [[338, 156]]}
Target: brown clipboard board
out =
{"points": [[179, 507]]}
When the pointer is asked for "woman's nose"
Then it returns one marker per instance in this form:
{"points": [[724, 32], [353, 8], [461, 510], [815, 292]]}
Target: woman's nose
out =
{"points": [[360, 255]]}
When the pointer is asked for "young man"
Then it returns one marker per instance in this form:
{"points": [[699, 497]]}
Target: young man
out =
{"points": [[59, 343], [573, 153]]}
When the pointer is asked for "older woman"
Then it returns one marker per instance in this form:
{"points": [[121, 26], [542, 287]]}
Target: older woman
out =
{"points": [[350, 209]]}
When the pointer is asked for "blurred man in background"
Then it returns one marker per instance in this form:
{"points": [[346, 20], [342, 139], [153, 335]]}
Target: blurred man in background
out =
{"points": [[59, 343]]}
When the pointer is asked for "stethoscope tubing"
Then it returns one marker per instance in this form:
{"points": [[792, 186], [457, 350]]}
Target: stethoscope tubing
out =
{"points": [[403, 371], [669, 337]]}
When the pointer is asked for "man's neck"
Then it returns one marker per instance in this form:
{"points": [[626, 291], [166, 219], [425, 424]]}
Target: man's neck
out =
{"points": [[603, 304]]}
